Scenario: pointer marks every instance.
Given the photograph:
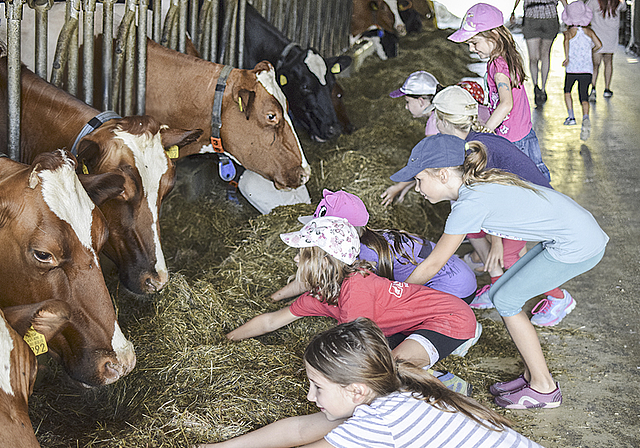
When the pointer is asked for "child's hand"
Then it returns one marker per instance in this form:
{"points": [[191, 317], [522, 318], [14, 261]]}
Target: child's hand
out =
{"points": [[401, 189], [495, 258], [565, 62]]}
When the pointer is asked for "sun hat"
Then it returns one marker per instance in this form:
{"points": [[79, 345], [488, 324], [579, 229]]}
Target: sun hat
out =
{"points": [[418, 83], [480, 17], [435, 151], [456, 101], [577, 14], [474, 88], [334, 235], [341, 204]]}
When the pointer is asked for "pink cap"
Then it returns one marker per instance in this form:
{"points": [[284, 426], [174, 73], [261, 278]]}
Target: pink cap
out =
{"points": [[577, 14], [341, 204], [480, 17]]}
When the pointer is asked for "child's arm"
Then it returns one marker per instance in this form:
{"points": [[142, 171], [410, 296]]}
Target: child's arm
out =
{"points": [[503, 83], [446, 247], [567, 38], [495, 258], [263, 323], [400, 188], [295, 288], [597, 43], [289, 432]]}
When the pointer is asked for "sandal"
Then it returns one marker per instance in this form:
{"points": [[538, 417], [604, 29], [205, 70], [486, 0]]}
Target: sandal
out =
{"points": [[527, 398]]}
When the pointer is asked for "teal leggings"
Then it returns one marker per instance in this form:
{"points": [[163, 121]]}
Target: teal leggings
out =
{"points": [[535, 273]]}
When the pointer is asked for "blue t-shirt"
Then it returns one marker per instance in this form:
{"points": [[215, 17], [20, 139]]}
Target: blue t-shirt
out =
{"points": [[506, 156], [569, 232]]}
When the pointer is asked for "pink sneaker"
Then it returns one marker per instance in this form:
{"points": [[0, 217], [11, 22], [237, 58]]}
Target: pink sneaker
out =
{"points": [[507, 387], [527, 398], [550, 311], [482, 301]]}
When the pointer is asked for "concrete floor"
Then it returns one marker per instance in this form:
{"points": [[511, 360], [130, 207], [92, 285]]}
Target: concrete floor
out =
{"points": [[597, 360]]}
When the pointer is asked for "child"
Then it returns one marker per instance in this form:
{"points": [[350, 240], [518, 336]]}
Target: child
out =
{"points": [[483, 29], [571, 242], [418, 91], [425, 325], [579, 43], [367, 398]]}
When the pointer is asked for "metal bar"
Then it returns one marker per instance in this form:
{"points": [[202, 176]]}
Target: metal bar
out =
{"points": [[62, 46], [13, 12], [233, 36], [121, 42], [193, 20], [183, 6], [88, 17], [203, 38], [72, 52], [107, 54], [242, 10], [129, 65], [213, 31], [157, 20], [142, 57], [42, 23]]}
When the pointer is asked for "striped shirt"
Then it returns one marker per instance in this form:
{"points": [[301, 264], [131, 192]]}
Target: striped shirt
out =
{"points": [[540, 9], [399, 420]]}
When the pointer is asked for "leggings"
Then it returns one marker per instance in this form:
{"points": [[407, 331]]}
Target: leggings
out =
{"points": [[534, 274]]}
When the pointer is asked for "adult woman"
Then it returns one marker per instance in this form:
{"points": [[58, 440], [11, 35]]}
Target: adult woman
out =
{"points": [[540, 27], [606, 24]]}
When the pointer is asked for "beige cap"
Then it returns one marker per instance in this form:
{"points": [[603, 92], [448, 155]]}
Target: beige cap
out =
{"points": [[455, 100]]}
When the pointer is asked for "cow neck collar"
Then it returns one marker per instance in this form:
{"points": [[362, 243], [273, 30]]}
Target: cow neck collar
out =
{"points": [[226, 169], [92, 125], [284, 54]]}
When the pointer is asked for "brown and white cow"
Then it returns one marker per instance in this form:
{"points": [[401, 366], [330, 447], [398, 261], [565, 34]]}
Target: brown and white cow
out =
{"points": [[18, 365], [373, 20], [256, 128], [50, 234], [133, 147]]}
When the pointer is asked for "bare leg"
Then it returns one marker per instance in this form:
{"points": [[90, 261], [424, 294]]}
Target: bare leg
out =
{"points": [[412, 351], [608, 69], [526, 339], [545, 58], [597, 59], [482, 247], [569, 102], [585, 108], [533, 47]]}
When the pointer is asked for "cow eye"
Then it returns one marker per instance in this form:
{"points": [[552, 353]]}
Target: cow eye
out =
{"points": [[271, 117], [43, 257]]}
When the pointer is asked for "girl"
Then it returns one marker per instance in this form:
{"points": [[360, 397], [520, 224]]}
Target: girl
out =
{"points": [[368, 398], [425, 325], [483, 29], [503, 204], [579, 43]]}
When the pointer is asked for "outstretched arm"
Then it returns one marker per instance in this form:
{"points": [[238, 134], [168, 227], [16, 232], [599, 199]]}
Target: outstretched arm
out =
{"points": [[263, 323], [401, 189], [289, 432], [445, 248], [292, 289]]}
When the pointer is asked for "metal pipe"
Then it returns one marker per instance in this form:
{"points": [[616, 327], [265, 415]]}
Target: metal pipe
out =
{"points": [[242, 11], [182, 25], [88, 18], [107, 54], [121, 42], [72, 52], [142, 57], [203, 38], [129, 65], [41, 8], [62, 46], [157, 20], [13, 12], [193, 20], [169, 22], [215, 13], [233, 36]]}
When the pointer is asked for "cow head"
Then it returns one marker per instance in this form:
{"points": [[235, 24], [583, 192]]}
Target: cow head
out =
{"points": [[50, 234], [306, 79], [257, 129], [19, 365], [135, 148], [340, 108], [368, 14]]}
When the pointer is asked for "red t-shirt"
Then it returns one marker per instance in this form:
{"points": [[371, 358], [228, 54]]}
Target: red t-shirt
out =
{"points": [[396, 307]]}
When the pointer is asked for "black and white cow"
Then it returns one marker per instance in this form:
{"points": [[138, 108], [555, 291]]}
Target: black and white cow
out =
{"points": [[305, 77]]}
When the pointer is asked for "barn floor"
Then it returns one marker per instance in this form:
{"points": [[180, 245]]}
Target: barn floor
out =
{"points": [[190, 385]]}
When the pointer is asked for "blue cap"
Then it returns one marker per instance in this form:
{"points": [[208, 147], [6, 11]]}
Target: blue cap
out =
{"points": [[435, 151]]}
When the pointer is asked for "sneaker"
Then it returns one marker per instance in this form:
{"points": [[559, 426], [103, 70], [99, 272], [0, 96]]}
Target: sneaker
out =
{"points": [[550, 311], [464, 348], [508, 387], [570, 121], [592, 96], [453, 382], [476, 266], [527, 398], [607, 93], [482, 301], [537, 95]]}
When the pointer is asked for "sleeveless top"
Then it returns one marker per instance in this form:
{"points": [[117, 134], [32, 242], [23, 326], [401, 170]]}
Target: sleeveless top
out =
{"points": [[580, 59]]}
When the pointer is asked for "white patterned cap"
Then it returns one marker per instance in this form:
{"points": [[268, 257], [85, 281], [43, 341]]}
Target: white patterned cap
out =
{"points": [[334, 235]]}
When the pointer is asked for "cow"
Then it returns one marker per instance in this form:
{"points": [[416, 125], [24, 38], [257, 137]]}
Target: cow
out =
{"points": [[18, 365], [51, 232], [134, 147], [373, 20], [305, 77], [341, 111], [255, 127]]}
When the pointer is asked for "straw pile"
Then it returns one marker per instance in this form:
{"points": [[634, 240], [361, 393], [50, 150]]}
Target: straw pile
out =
{"points": [[192, 385]]}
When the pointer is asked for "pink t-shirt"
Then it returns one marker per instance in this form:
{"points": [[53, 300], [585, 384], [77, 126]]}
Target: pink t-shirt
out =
{"points": [[431, 128], [518, 123], [396, 307]]}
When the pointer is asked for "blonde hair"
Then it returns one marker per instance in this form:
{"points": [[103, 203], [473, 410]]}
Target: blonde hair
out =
{"points": [[506, 47], [461, 122], [323, 274], [357, 352]]}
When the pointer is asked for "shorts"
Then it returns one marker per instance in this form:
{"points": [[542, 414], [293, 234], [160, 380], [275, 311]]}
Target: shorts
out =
{"points": [[510, 248], [531, 147], [584, 81], [437, 345], [540, 28]]}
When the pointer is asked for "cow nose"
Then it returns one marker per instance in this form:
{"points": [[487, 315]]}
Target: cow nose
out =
{"points": [[155, 282], [401, 29]]}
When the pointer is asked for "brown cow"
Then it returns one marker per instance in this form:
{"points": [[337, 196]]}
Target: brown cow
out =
{"points": [[134, 147], [256, 128], [19, 366], [51, 233], [373, 20], [341, 110]]}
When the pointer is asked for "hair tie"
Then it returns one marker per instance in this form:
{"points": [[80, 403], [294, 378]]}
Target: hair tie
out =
{"points": [[467, 147]]}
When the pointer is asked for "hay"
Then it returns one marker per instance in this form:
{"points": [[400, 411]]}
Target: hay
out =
{"points": [[191, 384]]}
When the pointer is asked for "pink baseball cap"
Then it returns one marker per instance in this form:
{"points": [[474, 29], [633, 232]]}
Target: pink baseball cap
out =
{"points": [[341, 204], [480, 17], [334, 235], [577, 14]]}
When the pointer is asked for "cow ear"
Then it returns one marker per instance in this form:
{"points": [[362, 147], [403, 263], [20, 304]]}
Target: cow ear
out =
{"points": [[174, 139], [88, 153], [102, 187], [338, 64], [34, 179], [47, 318], [245, 101]]}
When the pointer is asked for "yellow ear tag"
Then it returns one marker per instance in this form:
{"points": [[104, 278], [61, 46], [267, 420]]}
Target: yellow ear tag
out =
{"points": [[283, 80], [336, 68], [85, 170], [173, 152], [240, 103], [36, 341]]}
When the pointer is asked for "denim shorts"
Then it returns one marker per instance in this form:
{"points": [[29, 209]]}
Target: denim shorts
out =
{"points": [[531, 147]]}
